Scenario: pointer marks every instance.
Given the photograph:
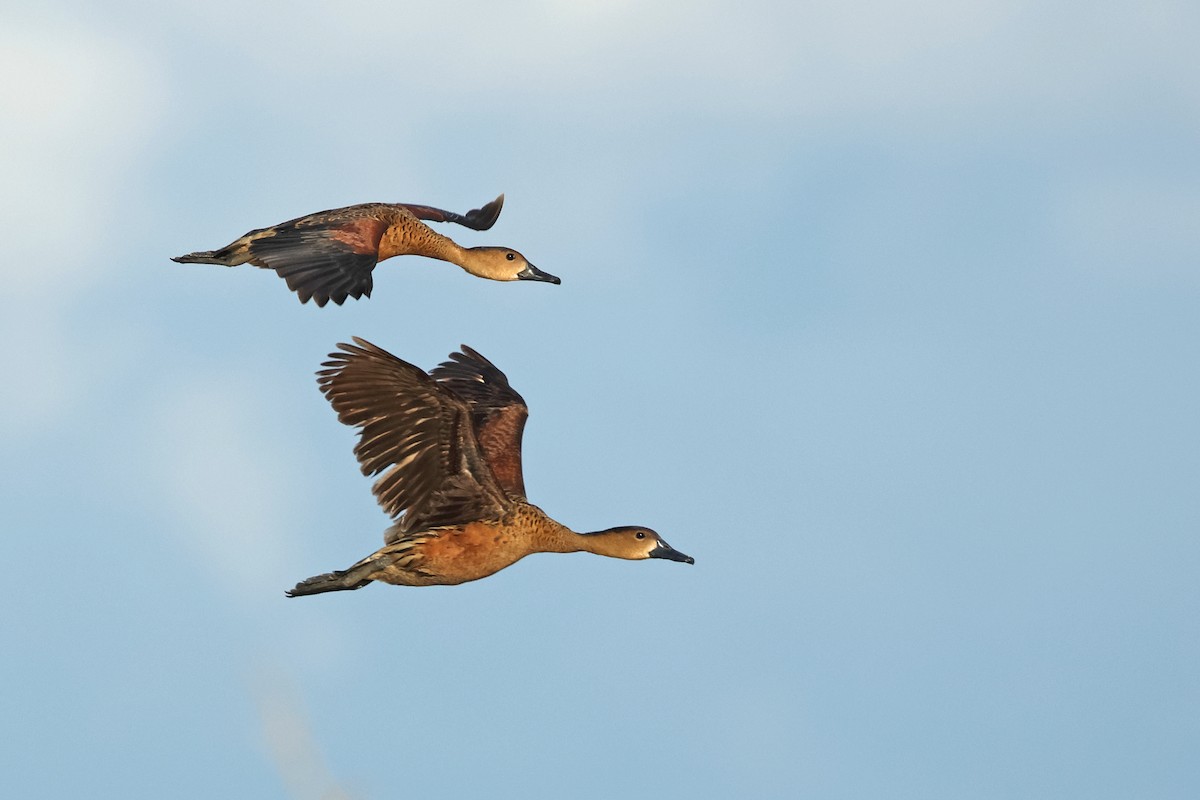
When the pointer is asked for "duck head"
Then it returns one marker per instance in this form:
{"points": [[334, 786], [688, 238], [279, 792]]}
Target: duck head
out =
{"points": [[634, 543], [503, 264]]}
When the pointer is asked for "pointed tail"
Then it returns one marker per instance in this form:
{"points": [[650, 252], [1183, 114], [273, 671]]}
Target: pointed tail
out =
{"points": [[342, 580], [200, 257], [228, 256]]}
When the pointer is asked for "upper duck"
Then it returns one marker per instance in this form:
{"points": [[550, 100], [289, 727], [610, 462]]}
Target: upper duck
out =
{"points": [[329, 255], [449, 446]]}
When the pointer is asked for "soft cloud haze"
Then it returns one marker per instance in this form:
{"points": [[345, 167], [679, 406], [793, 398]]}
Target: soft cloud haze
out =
{"points": [[884, 312]]}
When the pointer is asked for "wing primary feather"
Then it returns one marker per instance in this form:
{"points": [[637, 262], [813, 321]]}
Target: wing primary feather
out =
{"points": [[411, 434]]}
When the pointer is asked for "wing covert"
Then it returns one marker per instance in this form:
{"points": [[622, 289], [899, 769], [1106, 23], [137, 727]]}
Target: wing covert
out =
{"points": [[322, 257]]}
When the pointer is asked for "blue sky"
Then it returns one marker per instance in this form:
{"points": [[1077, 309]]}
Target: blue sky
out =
{"points": [[884, 313]]}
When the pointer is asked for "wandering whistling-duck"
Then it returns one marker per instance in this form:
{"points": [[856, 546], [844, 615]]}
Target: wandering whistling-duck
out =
{"points": [[329, 255], [449, 446]]}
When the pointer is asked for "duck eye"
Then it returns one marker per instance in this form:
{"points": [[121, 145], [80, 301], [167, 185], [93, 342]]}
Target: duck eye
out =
{"points": [[509, 256], [640, 535]]}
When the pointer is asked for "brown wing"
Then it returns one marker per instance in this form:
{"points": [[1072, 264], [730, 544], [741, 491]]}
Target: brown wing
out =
{"points": [[498, 413], [324, 256], [479, 219], [416, 433]]}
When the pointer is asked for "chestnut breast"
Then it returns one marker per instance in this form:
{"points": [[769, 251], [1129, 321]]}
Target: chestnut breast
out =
{"points": [[473, 551]]}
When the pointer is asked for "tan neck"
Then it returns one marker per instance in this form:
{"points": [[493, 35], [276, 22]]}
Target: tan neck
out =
{"points": [[556, 538], [550, 536], [603, 544], [413, 238], [410, 237]]}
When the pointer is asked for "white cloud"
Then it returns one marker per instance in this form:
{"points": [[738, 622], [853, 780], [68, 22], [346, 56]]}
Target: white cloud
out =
{"points": [[822, 61], [76, 108]]}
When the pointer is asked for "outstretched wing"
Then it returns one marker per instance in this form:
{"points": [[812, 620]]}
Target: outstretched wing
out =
{"points": [[479, 219], [324, 256], [414, 432], [498, 413]]}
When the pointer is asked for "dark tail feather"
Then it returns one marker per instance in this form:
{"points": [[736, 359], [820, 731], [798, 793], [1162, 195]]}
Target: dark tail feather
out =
{"points": [[337, 581], [199, 257], [228, 256]]}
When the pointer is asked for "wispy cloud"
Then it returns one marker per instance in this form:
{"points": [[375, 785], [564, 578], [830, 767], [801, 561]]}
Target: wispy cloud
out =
{"points": [[75, 110], [227, 485], [82, 108], [289, 738], [820, 63], [1140, 227]]}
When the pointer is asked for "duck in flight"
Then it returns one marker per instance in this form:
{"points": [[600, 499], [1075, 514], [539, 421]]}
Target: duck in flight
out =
{"points": [[448, 445], [330, 255]]}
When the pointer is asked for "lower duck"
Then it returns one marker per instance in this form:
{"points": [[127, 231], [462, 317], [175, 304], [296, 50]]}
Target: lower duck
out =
{"points": [[448, 445]]}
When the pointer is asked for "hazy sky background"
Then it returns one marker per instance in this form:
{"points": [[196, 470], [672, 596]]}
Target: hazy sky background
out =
{"points": [[886, 313]]}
